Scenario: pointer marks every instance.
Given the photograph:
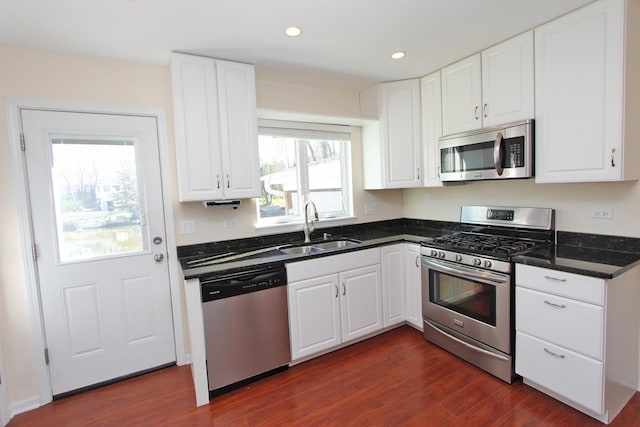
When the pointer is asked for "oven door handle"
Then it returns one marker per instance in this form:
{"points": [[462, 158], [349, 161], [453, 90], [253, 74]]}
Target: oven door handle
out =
{"points": [[465, 272]]}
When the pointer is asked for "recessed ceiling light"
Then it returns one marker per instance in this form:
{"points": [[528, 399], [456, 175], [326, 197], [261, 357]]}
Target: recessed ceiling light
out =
{"points": [[293, 31], [397, 55]]}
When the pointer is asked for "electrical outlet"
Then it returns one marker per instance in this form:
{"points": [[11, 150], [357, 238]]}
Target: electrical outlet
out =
{"points": [[187, 227], [447, 207], [371, 209], [230, 223], [602, 213]]}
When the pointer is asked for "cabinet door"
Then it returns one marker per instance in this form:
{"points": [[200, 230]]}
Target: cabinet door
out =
{"points": [[507, 81], [431, 112], [579, 95], [400, 133], [462, 96], [314, 315], [360, 302], [393, 285], [197, 127], [413, 285], [238, 129]]}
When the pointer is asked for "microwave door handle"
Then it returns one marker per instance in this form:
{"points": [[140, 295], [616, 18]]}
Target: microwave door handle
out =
{"points": [[498, 153]]}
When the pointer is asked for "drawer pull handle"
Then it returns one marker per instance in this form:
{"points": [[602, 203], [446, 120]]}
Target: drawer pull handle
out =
{"points": [[554, 279], [559, 356], [555, 305]]}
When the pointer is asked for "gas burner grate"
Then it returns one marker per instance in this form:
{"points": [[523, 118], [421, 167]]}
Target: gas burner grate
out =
{"points": [[485, 243]]}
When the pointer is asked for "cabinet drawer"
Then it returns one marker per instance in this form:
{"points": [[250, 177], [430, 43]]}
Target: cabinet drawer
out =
{"points": [[583, 288], [572, 324], [571, 375]]}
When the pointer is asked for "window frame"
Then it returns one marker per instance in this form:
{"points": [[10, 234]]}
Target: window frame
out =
{"points": [[302, 132]]}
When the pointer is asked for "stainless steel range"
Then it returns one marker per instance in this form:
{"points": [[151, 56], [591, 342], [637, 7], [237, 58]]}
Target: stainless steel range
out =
{"points": [[468, 285]]}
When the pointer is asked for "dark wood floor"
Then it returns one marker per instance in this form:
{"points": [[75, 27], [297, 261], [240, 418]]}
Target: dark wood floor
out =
{"points": [[394, 379]]}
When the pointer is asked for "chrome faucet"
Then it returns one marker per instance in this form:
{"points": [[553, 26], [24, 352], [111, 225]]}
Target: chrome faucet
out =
{"points": [[308, 225]]}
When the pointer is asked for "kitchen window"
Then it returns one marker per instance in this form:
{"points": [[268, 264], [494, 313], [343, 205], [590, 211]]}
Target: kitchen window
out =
{"points": [[300, 162]]}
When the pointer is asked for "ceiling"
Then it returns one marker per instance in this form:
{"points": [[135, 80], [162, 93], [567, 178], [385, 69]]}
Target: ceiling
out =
{"points": [[346, 44]]}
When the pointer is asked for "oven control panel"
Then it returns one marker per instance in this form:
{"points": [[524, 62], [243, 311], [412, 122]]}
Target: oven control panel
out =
{"points": [[466, 259], [500, 214]]}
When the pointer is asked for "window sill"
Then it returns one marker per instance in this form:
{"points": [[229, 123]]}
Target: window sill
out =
{"points": [[288, 227]]}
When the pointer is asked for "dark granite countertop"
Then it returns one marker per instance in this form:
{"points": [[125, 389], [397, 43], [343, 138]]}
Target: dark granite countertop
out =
{"points": [[601, 262], [238, 254], [588, 254]]}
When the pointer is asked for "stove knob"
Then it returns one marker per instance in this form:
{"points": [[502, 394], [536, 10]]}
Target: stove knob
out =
{"points": [[441, 254], [487, 264], [477, 262], [458, 257], [434, 253]]}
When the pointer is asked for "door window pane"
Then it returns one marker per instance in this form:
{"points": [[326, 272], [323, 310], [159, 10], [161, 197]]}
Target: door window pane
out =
{"points": [[97, 198]]}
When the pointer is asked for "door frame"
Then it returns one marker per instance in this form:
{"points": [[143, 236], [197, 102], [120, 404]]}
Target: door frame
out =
{"points": [[21, 190]]}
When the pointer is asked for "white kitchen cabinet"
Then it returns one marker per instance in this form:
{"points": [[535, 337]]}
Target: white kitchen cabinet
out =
{"points": [[216, 128], [393, 284], [333, 300], [413, 285], [391, 146], [490, 88], [431, 101], [577, 337], [586, 110], [462, 96]]}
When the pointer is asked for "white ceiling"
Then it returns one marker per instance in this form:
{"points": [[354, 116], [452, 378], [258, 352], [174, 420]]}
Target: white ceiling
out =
{"points": [[346, 44]]}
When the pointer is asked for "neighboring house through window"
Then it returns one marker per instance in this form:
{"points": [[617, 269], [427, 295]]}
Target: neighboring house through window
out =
{"points": [[301, 162]]}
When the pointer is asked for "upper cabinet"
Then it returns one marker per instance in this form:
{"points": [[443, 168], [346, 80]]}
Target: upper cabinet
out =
{"points": [[391, 147], [490, 88], [585, 123], [431, 111], [216, 128]]}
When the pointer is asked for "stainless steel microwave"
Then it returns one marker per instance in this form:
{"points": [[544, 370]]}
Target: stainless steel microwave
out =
{"points": [[500, 152]]}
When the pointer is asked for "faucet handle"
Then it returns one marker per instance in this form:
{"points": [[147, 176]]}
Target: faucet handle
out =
{"points": [[325, 236]]}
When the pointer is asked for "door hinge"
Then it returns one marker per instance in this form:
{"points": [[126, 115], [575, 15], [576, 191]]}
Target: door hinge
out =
{"points": [[46, 356], [34, 252], [22, 144]]}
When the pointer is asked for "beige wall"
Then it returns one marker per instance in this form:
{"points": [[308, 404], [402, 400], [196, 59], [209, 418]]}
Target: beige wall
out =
{"points": [[48, 76], [573, 202]]}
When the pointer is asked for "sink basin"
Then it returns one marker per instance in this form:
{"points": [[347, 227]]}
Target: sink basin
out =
{"points": [[336, 244], [300, 250]]}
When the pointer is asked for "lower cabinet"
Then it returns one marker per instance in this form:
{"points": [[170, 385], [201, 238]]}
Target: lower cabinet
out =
{"points": [[401, 288], [577, 337], [413, 285], [333, 300]]}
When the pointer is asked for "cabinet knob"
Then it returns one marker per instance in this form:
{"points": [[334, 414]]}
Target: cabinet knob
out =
{"points": [[613, 163]]}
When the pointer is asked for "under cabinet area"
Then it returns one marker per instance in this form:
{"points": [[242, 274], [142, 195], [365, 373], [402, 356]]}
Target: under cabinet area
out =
{"points": [[577, 337], [489, 88], [392, 146], [333, 300], [216, 129], [586, 109]]}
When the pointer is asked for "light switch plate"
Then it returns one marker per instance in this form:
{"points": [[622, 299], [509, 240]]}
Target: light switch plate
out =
{"points": [[187, 226]]}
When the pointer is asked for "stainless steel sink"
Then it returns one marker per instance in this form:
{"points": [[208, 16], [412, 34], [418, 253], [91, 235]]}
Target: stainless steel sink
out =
{"points": [[300, 250], [318, 247], [336, 244]]}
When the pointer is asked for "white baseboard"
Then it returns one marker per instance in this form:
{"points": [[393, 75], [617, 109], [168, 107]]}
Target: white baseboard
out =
{"points": [[24, 405]]}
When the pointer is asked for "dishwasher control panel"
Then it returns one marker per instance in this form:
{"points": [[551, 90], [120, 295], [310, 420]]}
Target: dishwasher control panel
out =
{"points": [[226, 285]]}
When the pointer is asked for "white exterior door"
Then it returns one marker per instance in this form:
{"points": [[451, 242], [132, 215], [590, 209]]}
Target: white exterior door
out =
{"points": [[98, 226]]}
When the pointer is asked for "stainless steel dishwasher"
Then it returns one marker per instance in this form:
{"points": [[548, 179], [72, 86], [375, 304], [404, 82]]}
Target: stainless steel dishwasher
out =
{"points": [[246, 324]]}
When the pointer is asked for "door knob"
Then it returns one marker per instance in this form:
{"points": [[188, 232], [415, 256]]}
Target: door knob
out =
{"points": [[158, 257]]}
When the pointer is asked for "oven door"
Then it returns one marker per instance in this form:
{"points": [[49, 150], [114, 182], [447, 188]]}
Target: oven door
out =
{"points": [[471, 301]]}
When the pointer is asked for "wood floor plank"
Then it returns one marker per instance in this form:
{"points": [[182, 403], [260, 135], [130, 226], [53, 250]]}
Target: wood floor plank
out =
{"points": [[394, 379]]}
